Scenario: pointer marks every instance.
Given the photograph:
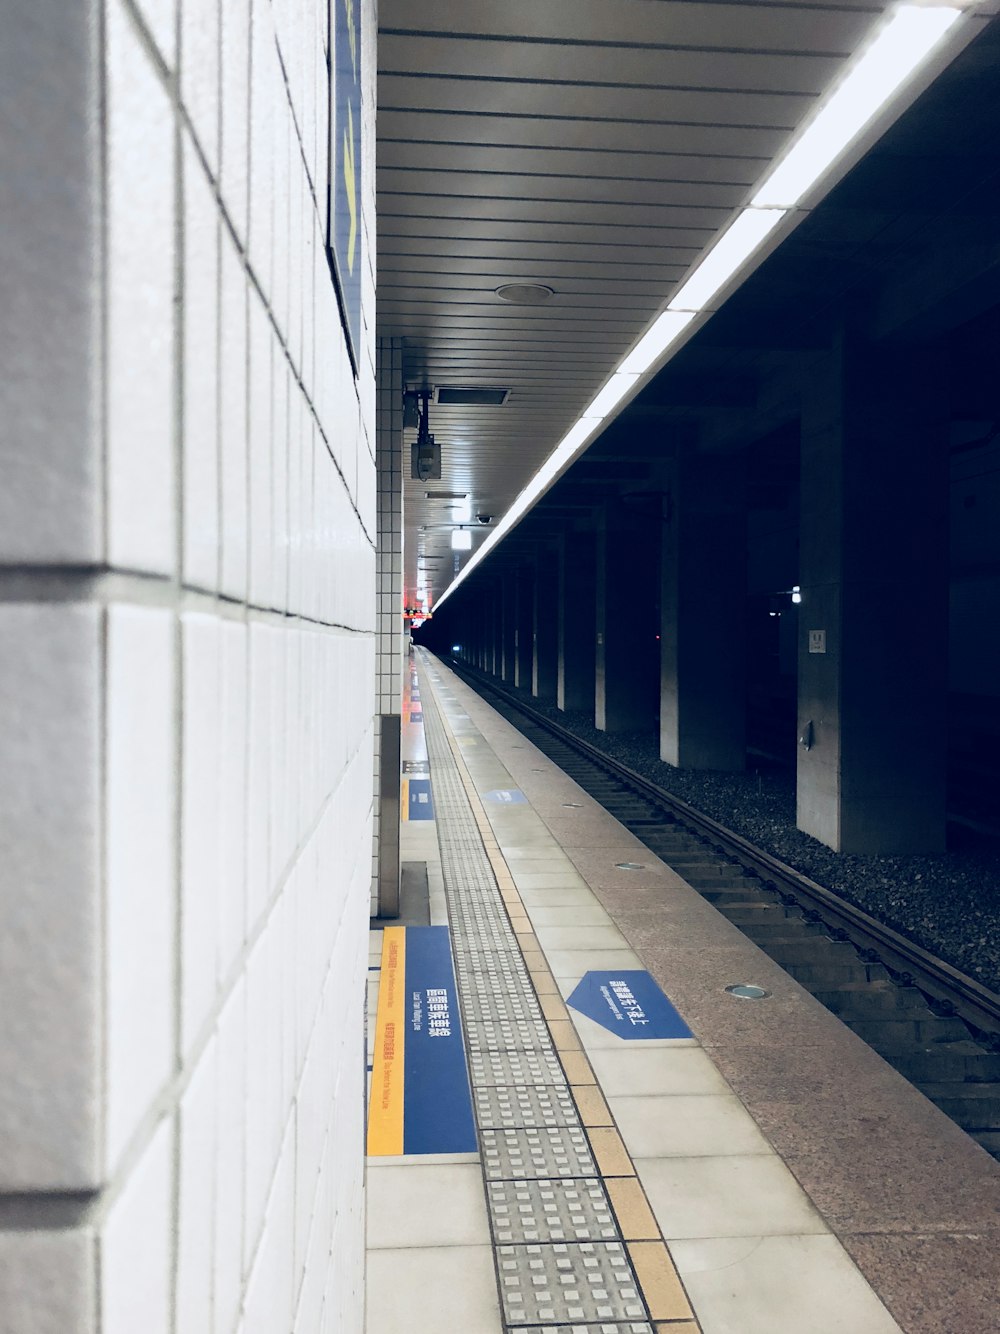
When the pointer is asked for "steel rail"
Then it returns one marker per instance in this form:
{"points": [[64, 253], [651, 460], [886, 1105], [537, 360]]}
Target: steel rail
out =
{"points": [[954, 990]]}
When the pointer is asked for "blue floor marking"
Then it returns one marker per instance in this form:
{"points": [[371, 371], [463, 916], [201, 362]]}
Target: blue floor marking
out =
{"points": [[437, 1101], [628, 1002], [421, 803], [507, 796]]}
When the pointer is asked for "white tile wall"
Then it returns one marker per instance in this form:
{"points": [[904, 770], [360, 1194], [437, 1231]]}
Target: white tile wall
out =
{"points": [[50, 834], [50, 447], [200, 367], [140, 837], [141, 282], [189, 731], [134, 1246], [388, 501]]}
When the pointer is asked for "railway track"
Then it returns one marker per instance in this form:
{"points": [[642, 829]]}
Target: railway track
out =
{"points": [[937, 1027]]}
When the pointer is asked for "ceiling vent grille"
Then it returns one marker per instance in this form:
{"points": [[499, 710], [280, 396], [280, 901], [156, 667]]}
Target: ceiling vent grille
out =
{"points": [[460, 396]]}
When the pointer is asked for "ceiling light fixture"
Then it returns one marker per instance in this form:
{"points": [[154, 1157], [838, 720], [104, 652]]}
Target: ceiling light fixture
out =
{"points": [[461, 539], [899, 48], [911, 35], [745, 234]]}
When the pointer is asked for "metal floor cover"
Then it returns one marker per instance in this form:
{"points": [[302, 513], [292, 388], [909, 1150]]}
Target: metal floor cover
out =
{"points": [[562, 1265]]}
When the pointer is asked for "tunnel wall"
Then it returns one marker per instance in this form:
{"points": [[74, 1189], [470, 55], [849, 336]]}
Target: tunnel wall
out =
{"points": [[187, 675]]}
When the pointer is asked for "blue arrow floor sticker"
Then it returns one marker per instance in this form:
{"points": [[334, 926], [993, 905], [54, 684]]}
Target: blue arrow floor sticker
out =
{"points": [[628, 1003]]}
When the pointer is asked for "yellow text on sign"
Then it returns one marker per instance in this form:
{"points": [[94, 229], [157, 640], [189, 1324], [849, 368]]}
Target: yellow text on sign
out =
{"points": [[385, 1106]]}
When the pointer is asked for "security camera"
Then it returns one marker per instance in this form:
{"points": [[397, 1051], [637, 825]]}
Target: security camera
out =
{"points": [[484, 518]]}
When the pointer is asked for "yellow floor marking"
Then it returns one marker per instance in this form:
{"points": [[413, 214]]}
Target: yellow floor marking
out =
{"points": [[635, 1218], [404, 798], [385, 1112], [577, 1067], [591, 1105], [611, 1154], [658, 1279]]}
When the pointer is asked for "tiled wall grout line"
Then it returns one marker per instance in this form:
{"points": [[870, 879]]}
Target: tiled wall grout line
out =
{"points": [[604, 1172]]}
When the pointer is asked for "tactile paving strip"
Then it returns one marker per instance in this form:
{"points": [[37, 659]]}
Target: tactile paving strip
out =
{"points": [[604, 1327], [508, 1108], [540, 1152], [562, 1267], [494, 1068], [499, 1035], [567, 1282], [531, 1211], [496, 1006]]}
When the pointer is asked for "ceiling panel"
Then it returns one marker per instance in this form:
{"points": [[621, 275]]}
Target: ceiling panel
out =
{"points": [[595, 148], [785, 25]]}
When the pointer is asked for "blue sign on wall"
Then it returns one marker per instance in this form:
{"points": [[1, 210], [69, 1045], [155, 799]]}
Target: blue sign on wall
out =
{"points": [[437, 1098], [344, 239], [628, 1003]]}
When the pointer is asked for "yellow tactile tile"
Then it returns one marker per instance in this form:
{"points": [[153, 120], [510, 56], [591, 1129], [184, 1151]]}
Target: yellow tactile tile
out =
{"points": [[535, 959], [577, 1067], [677, 1327], [518, 921], [564, 1035], [544, 983], [591, 1105], [553, 1008], [635, 1218], [658, 1279], [610, 1153], [526, 938]]}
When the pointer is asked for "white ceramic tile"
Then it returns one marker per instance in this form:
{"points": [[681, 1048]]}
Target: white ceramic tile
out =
{"points": [[235, 72], [261, 435], [233, 795], [196, 1197], [199, 820], [50, 833], [135, 1246], [200, 446], [50, 287], [779, 1285], [733, 1196], [229, 1161], [233, 420], [140, 249], [59, 1265], [268, 1302], [141, 865], [199, 67], [160, 18]]}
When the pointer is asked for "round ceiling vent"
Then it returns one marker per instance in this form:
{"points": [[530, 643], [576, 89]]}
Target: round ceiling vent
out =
{"points": [[525, 294]]}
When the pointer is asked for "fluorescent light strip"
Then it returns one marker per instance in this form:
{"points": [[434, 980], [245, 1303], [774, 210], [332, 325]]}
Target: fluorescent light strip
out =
{"points": [[655, 341], [902, 46], [742, 237]]}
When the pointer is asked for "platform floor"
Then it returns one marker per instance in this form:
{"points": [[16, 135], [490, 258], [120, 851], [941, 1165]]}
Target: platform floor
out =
{"points": [[768, 1174]]}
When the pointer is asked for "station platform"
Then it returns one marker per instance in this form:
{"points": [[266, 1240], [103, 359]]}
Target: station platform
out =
{"points": [[574, 1127]]}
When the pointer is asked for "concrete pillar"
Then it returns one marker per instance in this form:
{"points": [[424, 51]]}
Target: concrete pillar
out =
{"points": [[508, 629], [626, 656], [575, 622], [545, 629], [524, 627], [703, 599], [873, 619]]}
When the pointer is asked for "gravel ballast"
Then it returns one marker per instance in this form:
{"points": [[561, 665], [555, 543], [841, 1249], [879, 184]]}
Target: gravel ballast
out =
{"points": [[949, 904]]}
